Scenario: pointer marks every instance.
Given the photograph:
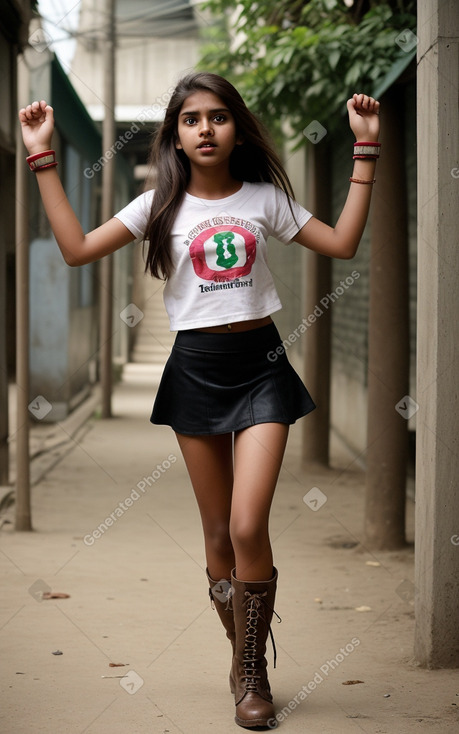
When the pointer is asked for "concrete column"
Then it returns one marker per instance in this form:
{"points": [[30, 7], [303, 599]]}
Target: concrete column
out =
{"points": [[388, 338], [437, 465], [317, 362]]}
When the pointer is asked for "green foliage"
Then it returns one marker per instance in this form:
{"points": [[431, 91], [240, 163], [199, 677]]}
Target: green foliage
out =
{"points": [[304, 60]]}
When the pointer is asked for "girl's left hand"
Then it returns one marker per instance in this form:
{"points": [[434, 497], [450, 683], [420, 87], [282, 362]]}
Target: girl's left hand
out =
{"points": [[364, 117]]}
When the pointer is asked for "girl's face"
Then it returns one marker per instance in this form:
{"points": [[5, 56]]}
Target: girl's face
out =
{"points": [[206, 130]]}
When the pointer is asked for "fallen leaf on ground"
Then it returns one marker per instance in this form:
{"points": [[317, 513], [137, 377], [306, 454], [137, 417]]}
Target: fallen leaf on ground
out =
{"points": [[117, 665], [57, 652], [54, 595], [318, 600], [363, 609], [372, 563], [352, 682]]}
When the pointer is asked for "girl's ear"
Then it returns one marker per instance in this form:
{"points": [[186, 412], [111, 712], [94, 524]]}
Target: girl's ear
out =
{"points": [[240, 140], [178, 144]]}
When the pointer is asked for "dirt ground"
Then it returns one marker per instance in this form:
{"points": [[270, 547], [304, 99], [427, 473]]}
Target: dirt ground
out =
{"points": [[138, 597]]}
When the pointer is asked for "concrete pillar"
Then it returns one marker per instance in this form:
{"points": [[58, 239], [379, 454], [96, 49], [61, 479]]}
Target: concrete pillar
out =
{"points": [[317, 362], [437, 465], [388, 338]]}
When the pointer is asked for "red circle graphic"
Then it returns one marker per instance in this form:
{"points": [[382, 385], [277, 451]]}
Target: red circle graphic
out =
{"points": [[198, 254]]}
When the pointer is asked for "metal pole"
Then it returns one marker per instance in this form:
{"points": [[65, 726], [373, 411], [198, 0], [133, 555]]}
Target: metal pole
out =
{"points": [[108, 177], [23, 511]]}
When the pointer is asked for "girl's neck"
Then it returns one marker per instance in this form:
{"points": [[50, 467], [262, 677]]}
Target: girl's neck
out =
{"points": [[212, 184]]}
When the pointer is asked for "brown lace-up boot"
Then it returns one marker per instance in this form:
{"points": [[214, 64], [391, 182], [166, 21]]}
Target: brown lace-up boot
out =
{"points": [[253, 603], [220, 593]]}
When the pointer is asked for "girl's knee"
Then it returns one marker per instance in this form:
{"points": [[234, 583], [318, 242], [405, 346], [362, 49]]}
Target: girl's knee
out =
{"points": [[248, 537]]}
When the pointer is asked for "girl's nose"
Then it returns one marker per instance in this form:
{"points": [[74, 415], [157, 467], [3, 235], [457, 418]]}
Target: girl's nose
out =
{"points": [[206, 129]]}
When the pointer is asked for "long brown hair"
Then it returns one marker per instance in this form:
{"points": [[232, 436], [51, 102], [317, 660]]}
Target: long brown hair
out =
{"points": [[254, 160]]}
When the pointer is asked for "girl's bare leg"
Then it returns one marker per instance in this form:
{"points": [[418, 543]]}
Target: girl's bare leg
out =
{"points": [[258, 454], [209, 460], [235, 506]]}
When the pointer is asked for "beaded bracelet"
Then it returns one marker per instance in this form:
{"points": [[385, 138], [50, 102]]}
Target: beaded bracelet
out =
{"points": [[45, 159], [366, 150]]}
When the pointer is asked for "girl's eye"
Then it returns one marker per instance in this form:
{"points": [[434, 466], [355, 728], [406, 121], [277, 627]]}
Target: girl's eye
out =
{"points": [[192, 120]]}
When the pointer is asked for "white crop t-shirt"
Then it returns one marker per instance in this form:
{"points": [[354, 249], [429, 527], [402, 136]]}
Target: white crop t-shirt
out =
{"points": [[219, 253]]}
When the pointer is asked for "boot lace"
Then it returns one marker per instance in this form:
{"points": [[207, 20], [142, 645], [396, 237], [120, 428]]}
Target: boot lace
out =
{"points": [[255, 605]]}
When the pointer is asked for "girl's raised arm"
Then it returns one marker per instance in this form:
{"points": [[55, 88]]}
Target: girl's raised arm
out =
{"points": [[342, 240], [37, 125]]}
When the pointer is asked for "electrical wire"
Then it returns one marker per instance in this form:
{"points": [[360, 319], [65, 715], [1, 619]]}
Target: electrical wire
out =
{"points": [[142, 20]]}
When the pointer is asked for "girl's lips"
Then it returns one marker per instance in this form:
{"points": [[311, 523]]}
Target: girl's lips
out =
{"points": [[206, 145]]}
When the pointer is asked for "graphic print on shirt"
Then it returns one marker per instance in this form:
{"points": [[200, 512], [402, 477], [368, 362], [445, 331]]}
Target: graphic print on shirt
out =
{"points": [[223, 248]]}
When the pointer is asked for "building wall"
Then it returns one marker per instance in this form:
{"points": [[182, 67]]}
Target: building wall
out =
{"points": [[14, 18], [287, 263], [63, 300], [350, 310], [146, 67]]}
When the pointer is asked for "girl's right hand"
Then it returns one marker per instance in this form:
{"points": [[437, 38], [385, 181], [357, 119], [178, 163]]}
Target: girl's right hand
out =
{"points": [[37, 125]]}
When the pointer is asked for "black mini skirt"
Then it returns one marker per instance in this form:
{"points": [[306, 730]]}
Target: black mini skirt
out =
{"points": [[219, 383]]}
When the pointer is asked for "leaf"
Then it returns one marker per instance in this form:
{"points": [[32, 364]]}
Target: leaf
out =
{"points": [[55, 595], [299, 59], [333, 59]]}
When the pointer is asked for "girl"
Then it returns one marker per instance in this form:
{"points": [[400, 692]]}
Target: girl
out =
{"points": [[221, 192]]}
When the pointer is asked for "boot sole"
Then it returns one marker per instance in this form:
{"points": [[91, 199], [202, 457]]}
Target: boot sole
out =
{"points": [[255, 723]]}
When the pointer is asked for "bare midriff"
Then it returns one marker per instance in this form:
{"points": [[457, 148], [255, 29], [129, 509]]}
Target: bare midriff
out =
{"points": [[237, 326]]}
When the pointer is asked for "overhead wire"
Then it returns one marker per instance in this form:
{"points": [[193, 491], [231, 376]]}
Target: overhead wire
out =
{"points": [[164, 10]]}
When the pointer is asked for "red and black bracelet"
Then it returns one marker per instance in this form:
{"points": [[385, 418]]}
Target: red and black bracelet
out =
{"points": [[366, 150], [39, 161]]}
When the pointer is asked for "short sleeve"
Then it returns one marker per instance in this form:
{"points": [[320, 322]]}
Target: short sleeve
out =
{"points": [[287, 221], [135, 215]]}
